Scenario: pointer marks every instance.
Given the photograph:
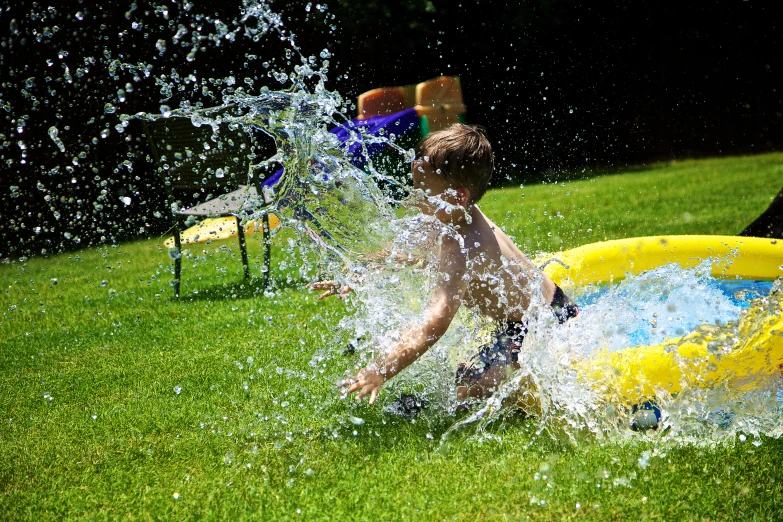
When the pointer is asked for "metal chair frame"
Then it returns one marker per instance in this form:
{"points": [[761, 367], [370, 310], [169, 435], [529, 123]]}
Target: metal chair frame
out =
{"points": [[196, 158]]}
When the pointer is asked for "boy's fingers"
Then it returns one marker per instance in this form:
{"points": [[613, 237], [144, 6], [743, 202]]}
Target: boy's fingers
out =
{"points": [[370, 390], [325, 294], [322, 285], [345, 291], [355, 386], [367, 389]]}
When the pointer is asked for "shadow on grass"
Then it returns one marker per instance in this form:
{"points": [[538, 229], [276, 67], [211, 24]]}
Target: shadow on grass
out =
{"points": [[242, 289], [376, 430]]}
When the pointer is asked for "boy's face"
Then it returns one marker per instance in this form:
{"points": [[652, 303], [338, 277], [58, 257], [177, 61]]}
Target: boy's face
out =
{"points": [[435, 185], [426, 179]]}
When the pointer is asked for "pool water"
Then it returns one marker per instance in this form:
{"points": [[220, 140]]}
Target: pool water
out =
{"points": [[665, 303], [739, 291], [742, 292]]}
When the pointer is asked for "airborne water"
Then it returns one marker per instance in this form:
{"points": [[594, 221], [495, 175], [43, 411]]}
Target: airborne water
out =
{"points": [[343, 218]]}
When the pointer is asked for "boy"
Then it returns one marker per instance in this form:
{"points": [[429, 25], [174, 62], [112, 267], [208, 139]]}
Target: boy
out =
{"points": [[456, 165]]}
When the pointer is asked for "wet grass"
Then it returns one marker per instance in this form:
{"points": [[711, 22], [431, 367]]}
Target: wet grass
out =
{"points": [[118, 401]]}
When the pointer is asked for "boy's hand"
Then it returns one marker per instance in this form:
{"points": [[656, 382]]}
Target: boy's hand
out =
{"points": [[366, 382], [331, 288]]}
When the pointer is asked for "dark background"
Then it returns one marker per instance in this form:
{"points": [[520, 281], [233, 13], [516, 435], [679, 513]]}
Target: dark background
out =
{"points": [[561, 86]]}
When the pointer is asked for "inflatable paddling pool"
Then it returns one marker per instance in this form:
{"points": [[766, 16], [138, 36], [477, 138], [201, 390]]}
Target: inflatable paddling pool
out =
{"points": [[641, 374]]}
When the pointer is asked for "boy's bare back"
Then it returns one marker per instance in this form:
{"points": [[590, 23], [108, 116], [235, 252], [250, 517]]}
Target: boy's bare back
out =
{"points": [[498, 275]]}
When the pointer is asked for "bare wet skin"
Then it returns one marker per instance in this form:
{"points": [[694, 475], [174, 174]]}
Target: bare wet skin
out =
{"points": [[501, 275]]}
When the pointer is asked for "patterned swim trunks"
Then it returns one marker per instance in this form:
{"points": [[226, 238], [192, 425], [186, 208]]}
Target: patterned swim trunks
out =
{"points": [[504, 350]]}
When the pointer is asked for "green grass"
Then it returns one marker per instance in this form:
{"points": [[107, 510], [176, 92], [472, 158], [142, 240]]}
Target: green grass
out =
{"points": [[92, 424], [712, 196]]}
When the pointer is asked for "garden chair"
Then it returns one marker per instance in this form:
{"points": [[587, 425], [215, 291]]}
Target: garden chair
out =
{"points": [[193, 159]]}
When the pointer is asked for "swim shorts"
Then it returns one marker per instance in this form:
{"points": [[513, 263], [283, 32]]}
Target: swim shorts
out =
{"points": [[504, 349]]}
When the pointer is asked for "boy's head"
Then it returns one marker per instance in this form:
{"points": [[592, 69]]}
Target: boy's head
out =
{"points": [[462, 155]]}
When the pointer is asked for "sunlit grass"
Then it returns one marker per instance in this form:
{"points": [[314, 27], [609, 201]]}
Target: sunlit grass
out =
{"points": [[712, 196], [118, 401]]}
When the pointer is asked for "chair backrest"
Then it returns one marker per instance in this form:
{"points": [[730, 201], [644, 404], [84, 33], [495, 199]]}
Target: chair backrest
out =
{"points": [[191, 158]]}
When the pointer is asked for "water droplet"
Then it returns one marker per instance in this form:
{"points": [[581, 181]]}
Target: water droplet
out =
{"points": [[644, 460], [177, 389], [53, 135], [160, 45]]}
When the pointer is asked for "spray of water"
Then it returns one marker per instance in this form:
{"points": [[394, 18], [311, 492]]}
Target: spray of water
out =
{"points": [[352, 231], [571, 375]]}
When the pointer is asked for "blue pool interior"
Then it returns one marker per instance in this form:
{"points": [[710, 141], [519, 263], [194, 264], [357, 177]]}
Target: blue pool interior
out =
{"points": [[662, 305], [739, 291]]}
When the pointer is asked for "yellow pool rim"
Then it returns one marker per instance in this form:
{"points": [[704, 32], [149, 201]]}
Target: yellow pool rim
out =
{"points": [[610, 261], [644, 373]]}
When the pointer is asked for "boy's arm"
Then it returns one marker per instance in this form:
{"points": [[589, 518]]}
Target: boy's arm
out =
{"points": [[443, 306], [332, 287]]}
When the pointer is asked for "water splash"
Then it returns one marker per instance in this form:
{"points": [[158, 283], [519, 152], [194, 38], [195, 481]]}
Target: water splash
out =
{"points": [[53, 132], [343, 220], [574, 373]]}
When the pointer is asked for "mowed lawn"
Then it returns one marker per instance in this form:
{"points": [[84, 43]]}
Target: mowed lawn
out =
{"points": [[120, 402]]}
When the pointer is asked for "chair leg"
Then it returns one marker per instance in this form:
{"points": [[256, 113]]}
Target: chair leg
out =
{"points": [[243, 246], [267, 248], [177, 258]]}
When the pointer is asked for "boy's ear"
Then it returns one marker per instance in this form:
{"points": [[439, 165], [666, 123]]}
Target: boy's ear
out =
{"points": [[463, 196]]}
